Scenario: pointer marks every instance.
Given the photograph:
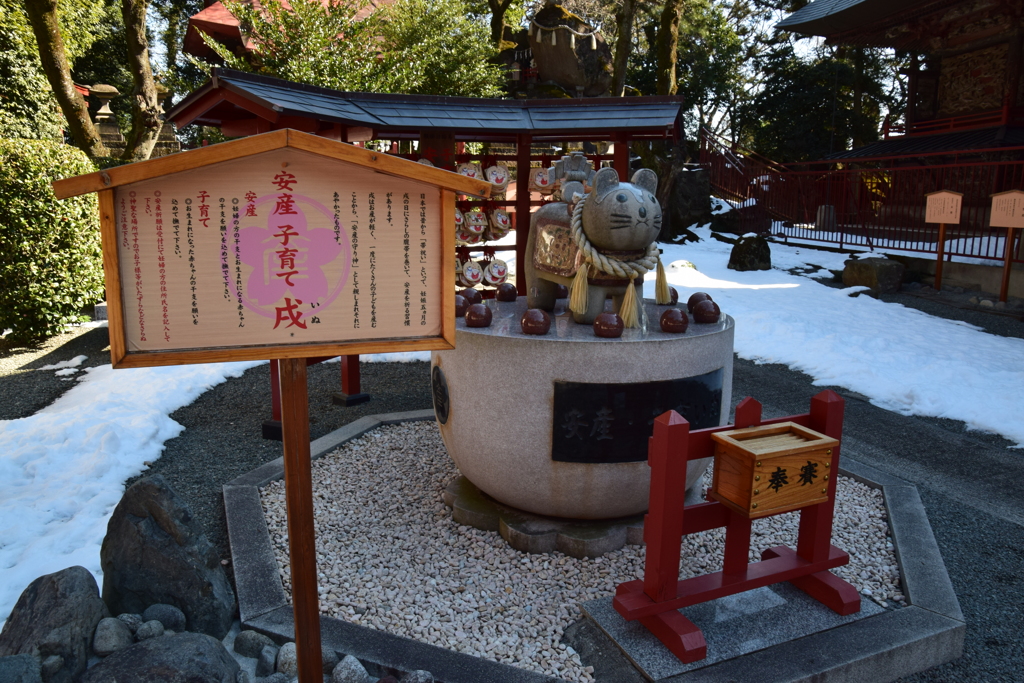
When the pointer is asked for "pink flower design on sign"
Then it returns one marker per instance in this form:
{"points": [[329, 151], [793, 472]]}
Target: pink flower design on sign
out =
{"points": [[289, 257]]}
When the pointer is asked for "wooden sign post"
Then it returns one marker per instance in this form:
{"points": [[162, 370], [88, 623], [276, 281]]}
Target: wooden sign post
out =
{"points": [[279, 246], [942, 207], [1007, 212]]}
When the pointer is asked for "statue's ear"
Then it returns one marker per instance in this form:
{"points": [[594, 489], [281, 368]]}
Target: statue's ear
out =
{"points": [[570, 188], [604, 180], [647, 179]]}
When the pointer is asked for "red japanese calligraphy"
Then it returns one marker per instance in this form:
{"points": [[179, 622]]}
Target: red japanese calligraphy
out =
{"points": [[290, 314]]}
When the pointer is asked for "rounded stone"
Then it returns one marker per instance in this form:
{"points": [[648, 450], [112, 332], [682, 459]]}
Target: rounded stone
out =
{"points": [[506, 291], [472, 296], [478, 315], [132, 621], [706, 312], [250, 643], [561, 292], [535, 321], [111, 635], [288, 660], [460, 305], [608, 325], [170, 616], [150, 629], [674, 321], [673, 294], [695, 299]]}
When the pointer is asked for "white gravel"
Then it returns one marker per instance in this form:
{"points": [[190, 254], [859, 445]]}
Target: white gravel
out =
{"points": [[391, 558]]}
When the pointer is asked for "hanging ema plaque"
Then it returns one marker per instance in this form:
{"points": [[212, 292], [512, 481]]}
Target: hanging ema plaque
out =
{"points": [[279, 245]]}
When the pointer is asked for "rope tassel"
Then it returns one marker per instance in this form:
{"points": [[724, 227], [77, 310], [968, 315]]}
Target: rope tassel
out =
{"points": [[579, 291], [554, 38], [593, 41], [629, 312], [572, 41], [661, 293]]}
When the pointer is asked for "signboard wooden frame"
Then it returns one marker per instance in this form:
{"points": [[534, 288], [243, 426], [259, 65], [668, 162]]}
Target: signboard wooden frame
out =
{"points": [[117, 271], [316, 250], [1007, 212], [942, 207]]}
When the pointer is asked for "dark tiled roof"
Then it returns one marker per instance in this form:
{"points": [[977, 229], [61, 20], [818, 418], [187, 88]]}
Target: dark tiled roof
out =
{"points": [[825, 17], [961, 141], [405, 112]]}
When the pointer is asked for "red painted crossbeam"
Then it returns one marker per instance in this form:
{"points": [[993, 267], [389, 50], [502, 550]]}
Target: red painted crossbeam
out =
{"points": [[632, 603]]}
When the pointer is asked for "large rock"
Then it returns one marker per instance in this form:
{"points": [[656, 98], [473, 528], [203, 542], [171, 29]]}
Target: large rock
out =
{"points": [[20, 669], [181, 658], [881, 275], [751, 252], [56, 615], [155, 551], [685, 195], [726, 221], [350, 670]]}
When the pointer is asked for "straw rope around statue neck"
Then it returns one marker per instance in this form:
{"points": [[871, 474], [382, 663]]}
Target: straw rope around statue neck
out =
{"points": [[651, 260]]}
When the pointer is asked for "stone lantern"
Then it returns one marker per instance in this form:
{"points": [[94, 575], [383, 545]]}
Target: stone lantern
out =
{"points": [[106, 120]]}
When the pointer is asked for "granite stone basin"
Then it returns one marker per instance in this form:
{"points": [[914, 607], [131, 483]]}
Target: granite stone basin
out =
{"points": [[558, 424]]}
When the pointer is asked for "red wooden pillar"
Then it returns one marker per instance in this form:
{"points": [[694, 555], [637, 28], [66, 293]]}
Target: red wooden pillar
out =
{"points": [[351, 393], [737, 531], [815, 538], [522, 216], [298, 483]]}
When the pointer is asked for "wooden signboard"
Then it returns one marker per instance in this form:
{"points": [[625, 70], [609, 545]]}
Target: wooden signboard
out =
{"points": [[283, 245], [1007, 212], [1008, 209], [943, 207]]}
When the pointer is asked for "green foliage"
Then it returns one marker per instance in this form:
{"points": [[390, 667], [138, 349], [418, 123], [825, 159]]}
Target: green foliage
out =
{"points": [[413, 46], [710, 60], [50, 257], [811, 107], [28, 108]]}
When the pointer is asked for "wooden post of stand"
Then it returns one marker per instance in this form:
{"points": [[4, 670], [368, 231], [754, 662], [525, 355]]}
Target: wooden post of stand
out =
{"points": [[524, 144], [298, 483], [1004, 288], [941, 248], [351, 393]]}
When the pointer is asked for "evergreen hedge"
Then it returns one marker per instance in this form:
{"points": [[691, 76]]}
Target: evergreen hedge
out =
{"points": [[51, 265]]}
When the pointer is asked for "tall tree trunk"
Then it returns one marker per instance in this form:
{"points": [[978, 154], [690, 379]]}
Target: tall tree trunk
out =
{"points": [[146, 121], [667, 46], [498, 9], [42, 15], [623, 44]]}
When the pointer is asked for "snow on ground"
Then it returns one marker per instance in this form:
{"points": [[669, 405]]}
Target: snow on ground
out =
{"points": [[62, 470], [902, 359]]}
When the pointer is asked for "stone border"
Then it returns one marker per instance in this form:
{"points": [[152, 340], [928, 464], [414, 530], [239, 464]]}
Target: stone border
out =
{"points": [[926, 633], [263, 605]]}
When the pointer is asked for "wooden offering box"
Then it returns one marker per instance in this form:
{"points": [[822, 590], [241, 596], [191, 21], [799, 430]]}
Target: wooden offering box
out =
{"points": [[766, 470]]}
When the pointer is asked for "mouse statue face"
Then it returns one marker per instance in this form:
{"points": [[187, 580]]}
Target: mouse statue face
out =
{"points": [[622, 216]]}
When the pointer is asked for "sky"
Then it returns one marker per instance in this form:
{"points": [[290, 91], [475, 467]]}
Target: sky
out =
{"points": [[62, 470]]}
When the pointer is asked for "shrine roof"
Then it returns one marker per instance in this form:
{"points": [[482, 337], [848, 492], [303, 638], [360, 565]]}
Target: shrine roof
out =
{"points": [[963, 142], [246, 93], [829, 17]]}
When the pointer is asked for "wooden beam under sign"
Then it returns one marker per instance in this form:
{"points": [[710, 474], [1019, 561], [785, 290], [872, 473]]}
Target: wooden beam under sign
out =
{"points": [[298, 484]]}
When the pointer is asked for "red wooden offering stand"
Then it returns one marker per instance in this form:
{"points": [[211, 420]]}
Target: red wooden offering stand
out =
{"points": [[654, 601]]}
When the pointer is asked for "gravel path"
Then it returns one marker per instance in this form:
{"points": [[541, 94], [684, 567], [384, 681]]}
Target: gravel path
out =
{"points": [[390, 557]]}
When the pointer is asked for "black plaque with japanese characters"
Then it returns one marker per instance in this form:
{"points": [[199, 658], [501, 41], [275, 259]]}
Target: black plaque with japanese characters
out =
{"points": [[605, 423]]}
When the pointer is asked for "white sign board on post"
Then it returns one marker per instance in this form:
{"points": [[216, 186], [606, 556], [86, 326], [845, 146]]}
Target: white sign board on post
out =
{"points": [[1007, 212], [943, 207], [1008, 209]]}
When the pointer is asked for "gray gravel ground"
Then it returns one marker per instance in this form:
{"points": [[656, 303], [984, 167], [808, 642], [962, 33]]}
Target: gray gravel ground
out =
{"points": [[969, 481]]}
